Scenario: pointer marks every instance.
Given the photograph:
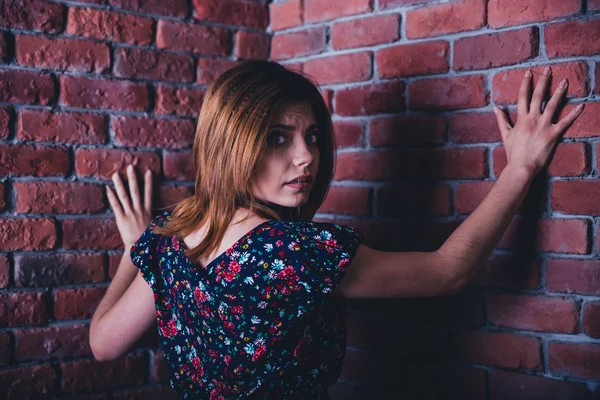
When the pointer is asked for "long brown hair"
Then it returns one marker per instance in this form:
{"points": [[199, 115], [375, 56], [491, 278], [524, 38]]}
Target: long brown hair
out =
{"points": [[230, 138]]}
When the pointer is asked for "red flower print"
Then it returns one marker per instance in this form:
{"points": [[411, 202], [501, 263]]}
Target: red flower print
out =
{"points": [[279, 243], [234, 268], [175, 242], [229, 277], [260, 350], [237, 309], [200, 296], [331, 242], [227, 360], [343, 263]]}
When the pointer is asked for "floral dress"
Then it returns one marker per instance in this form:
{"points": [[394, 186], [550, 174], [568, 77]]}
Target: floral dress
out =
{"points": [[257, 321]]}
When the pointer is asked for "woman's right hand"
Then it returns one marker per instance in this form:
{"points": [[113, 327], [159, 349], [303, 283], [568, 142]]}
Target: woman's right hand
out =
{"points": [[131, 215]]}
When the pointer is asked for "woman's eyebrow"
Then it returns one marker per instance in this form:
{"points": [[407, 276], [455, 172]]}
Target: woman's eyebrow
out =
{"points": [[290, 127]]}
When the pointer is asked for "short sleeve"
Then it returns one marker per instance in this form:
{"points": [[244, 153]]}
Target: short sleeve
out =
{"points": [[328, 253], [144, 254]]}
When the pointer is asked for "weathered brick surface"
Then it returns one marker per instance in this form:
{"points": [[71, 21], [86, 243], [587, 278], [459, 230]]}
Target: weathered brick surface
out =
{"points": [[370, 99], [52, 343], [568, 38], [35, 381], [232, 12], [181, 101], [5, 120], [209, 69], [252, 46], [365, 31], [91, 234], [400, 131], [26, 87], [62, 54], [448, 93], [103, 94], [435, 20], [104, 162], [154, 65], [58, 269], [198, 39], [5, 55], [173, 8], [58, 197], [178, 165], [28, 160], [149, 132], [296, 44], [108, 25], [351, 67], [413, 59], [32, 15], [64, 127], [322, 10], [503, 13], [285, 15], [347, 200], [20, 309]]}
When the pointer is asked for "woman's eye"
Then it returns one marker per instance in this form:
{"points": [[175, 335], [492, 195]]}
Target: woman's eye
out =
{"points": [[313, 138], [275, 138]]}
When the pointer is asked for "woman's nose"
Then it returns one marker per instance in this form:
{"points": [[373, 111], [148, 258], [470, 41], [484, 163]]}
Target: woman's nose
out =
{"points": [[302, 153]]}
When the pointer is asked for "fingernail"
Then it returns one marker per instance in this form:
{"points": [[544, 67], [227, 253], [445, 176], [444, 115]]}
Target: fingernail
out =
{"points": [[130, 168], [148, 172], [579, 107], [563, 84], [528, 73], [546, 70]]}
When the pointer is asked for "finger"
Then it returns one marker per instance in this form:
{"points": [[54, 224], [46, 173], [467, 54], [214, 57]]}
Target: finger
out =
{"points": [[133, 188], [540, 89], [148, 192], [114, 203], [554, 101], [567, 120], [121, 193], [523, 106], [502, 121]]}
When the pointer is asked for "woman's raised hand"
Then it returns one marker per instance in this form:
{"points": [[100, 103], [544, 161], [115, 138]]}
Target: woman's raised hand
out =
{"points": [[530, 142], [132, 216]]}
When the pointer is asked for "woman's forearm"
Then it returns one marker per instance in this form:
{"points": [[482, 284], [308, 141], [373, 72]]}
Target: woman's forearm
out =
{"points": [[473, 241], [122, 280]]}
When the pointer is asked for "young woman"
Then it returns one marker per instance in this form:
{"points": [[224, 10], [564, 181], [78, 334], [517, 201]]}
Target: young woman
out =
{"points": [[246, 289]]}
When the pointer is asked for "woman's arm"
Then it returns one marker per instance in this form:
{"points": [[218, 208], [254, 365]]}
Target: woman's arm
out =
{"points": [[528, 145], [127, 308]]}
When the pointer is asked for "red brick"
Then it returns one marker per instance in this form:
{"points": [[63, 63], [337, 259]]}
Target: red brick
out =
{"points": [[52, 343], [471, 127], [537, 313], [5, 121], [168, 196], [232, 12], [5, 350], [370, 99], [496, 50], [597, 90], [285, 15], [347, 200], [509, 271], [92, 375], [4, 281], [586, 124], [62, 54], [151, 132], [322, 10], [576, 197], [64, 127], [27, 160], [32, 16], [577, 360], [172, 8], [413, 199], [503, 13], [296, 44], [101, 93], [348, 133], [552, 235], [413, 59], [448, 93], [399, 131], [368, 31], [91, 234], [252, 46], [571, 38], [591, 319], [58, 197], [469, 195], [27, 234], [5, 54], [344, 68], [31, 382], [514, 385], [17, 309], [327, 95], [293, 66], [462, 163], [26, 87], [161, 372], [113, 264], [209, 69], [594, 5], [505, 350], [178, 165], [441, 19], [506, 83], [569, 275], [181, 101], [154, 65], [77, 303], [199, 39], [58, 269], [569, 159], [107, 25], [104, 162]]}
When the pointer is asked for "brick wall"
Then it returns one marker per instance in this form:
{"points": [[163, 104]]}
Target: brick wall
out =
{"points": [[87, 87], [411, 85]]}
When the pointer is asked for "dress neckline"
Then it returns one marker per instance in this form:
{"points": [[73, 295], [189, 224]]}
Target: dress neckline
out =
{"points": [[183, 247]]}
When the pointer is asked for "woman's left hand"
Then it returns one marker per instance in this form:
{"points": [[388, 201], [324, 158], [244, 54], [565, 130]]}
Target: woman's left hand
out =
{"points": [[530, 142], [132, 217]]}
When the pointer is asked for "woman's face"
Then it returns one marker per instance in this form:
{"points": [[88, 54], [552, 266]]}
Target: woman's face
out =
{"points": [[292, 151]]}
